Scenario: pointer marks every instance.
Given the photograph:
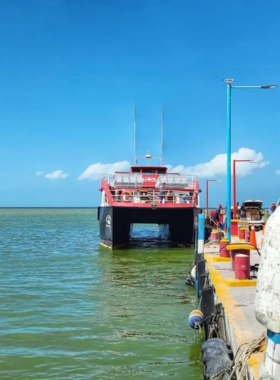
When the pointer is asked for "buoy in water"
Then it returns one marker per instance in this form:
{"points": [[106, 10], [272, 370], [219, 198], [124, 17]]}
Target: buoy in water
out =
{"points": [[193, 272], [196, 319]]}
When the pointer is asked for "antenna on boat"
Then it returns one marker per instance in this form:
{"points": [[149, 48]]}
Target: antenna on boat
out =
{"points": [[161, 133], [134, 125]]}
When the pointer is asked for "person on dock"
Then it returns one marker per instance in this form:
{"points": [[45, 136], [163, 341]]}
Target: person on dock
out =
{"points": [[242, 213], [162, 192], [271, 209], [216, 217]]}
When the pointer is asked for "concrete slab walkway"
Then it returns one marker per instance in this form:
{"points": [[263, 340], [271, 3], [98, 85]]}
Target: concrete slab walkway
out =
{"points": [[238, 303]]}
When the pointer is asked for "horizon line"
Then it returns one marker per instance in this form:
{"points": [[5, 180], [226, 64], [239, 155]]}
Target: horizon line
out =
{"points": [[76, 207]]}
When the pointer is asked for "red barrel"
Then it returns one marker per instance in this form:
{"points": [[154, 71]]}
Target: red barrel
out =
{"points": [[223, 251], [241, 234], [233, 253], [247, 236], [242, 267], [234, 227], [214, 236]]}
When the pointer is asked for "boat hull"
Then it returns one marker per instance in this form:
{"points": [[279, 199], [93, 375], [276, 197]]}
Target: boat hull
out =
{"points": [[115, 224]]}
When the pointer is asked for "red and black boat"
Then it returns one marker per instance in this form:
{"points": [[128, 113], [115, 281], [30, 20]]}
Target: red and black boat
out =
{"points": [[148, 194]]}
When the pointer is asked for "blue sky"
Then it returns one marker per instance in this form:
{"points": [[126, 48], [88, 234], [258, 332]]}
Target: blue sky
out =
{"points": [[70, 72]]}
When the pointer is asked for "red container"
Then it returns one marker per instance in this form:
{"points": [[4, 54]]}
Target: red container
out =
{"points": [[242, 267], [223, 251], [234, 227], [233, 253], [247, 236], [221, 218], [241, 234], [214, 236], [212, 213]]}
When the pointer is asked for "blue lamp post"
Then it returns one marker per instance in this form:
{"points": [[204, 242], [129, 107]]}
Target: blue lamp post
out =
{"points": [[229, 87]]}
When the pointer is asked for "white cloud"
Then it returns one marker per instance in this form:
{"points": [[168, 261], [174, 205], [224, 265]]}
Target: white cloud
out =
{"points": [[58, 174], [169, 167], [39, 173], [217, 166], [277, 172], [95, 171]]}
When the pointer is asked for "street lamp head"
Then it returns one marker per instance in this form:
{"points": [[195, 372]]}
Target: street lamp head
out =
{"points": [[228, 80], [254, 162], [218, 180], [269, 87]]}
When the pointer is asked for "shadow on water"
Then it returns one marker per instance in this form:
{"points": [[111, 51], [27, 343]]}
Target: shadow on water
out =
{"points": [[148, 236], [149, 277]]}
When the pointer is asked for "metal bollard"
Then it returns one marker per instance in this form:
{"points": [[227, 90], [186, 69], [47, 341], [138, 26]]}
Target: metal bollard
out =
{"points": [[242, 266]]}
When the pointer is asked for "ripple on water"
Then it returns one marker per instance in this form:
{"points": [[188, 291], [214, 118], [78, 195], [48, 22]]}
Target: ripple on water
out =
{"points": [[72, 310]]}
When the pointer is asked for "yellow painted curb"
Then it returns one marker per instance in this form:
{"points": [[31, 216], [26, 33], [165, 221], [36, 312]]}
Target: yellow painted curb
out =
{"points": [[237, 319], [237, 283], [234, 313], [218, 259], [248, 247], [255, 362]]}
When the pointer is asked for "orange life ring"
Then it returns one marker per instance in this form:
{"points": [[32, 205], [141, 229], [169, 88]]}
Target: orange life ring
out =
{"points": [[123, 195], [168, 195]]}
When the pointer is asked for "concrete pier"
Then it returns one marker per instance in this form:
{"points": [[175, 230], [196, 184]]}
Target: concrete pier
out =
{"points": [[237, 298]]}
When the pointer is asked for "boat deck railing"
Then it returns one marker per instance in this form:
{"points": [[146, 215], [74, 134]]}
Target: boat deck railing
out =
{"points": [[152, 196], [137, 180]]}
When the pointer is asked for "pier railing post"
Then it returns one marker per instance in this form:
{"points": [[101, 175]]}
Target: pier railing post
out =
{"points": [[200, 248], [201, 232]]}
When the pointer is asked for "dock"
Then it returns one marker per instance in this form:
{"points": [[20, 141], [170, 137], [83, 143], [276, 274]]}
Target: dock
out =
{"points": [[239, 327]]}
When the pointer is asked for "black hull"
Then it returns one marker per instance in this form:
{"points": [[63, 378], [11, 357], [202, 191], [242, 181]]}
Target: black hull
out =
{"points": [[115, 224]]}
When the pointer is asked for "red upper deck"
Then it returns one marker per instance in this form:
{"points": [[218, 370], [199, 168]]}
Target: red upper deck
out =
{"points": [[146, 186]]}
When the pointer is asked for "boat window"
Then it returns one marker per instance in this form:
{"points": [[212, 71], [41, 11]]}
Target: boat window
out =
{"points": [[161, 171], [149, 171], [136, 170]]}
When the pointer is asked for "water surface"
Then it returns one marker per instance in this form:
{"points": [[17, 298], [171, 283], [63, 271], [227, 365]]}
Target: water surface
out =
{"points": [[73, 310]]}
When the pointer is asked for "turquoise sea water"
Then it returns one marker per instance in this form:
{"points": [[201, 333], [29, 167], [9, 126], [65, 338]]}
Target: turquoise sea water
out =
{"points": [[73, 310]]}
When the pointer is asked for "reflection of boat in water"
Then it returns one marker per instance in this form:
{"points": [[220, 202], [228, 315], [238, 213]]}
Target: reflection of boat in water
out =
{"points": [[148, 194]]}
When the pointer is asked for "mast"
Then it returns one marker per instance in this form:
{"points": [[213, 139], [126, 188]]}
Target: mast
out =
{"points": [[161, 133], [134, 125]]}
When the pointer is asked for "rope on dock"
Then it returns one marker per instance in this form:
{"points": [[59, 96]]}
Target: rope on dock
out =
{"points": [[236, 370]]}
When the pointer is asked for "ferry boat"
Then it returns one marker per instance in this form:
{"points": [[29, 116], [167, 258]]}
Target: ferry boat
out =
{"points": [[137, 196]]}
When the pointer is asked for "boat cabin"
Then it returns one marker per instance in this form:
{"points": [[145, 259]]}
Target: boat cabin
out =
{"points": [[157, 170]]}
